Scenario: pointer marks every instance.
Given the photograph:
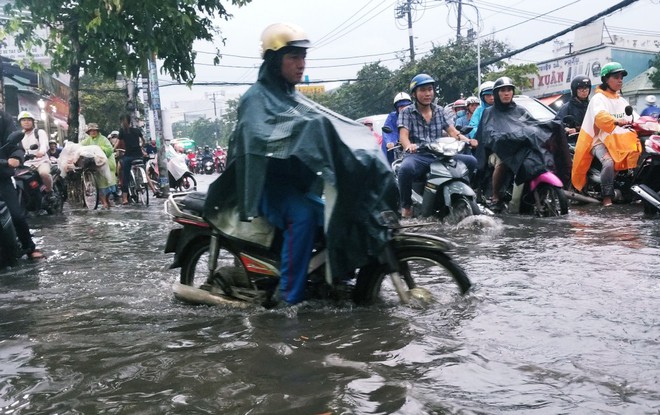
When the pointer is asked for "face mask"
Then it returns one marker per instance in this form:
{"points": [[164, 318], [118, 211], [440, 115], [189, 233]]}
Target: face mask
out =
{"points": [[460, 113]]}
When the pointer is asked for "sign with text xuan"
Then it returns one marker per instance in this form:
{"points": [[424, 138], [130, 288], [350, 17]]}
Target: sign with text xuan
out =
{"points": [[555, 76]]}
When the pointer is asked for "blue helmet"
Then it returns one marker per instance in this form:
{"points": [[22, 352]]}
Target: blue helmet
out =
{"points": [[419, 80]]}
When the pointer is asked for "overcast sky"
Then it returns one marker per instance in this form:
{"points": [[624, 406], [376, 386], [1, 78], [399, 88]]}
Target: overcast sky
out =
{"points": [[349, 33]]}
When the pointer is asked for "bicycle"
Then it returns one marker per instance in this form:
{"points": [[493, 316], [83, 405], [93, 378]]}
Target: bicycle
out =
{"points": [[138, 185]]}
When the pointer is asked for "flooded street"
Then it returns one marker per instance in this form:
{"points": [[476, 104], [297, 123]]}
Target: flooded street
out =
{"points": [[563, 318]]}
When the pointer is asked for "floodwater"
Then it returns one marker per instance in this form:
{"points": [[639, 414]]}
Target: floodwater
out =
{"points": [[563, 319]]}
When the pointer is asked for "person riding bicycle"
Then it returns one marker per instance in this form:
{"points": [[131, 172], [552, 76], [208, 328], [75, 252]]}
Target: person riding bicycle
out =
{"points": [[132, 140], [283, 150], [106, 185], [40, 160], [11, 156], [422, 123], [602, 134]]}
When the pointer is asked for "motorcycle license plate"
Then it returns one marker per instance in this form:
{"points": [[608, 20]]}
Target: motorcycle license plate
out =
{"points": [[173, 240]]}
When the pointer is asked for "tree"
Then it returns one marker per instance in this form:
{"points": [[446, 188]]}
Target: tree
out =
{"points": [[655, 75], [102, 102], [228, 121], [454, 66], [205, 132], [108, 37], [181, 129], [518, 73]]}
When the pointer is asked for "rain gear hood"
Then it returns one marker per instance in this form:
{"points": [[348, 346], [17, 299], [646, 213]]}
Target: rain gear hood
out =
{"points": [[276, 123], [519, 140], [599, 126]]}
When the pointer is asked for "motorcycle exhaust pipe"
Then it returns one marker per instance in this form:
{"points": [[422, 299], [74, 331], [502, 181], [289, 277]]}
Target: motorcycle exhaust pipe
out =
{"points": [[580, 198]]}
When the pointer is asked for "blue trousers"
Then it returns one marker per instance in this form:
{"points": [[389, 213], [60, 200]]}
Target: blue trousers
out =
{"points": [[416, 166], [299, 216]]}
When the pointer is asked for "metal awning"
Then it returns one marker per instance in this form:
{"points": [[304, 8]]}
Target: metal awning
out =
{"points": [[551, 99]]}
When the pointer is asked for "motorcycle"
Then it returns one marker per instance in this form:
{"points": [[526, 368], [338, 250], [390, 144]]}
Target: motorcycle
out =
{"points": [[245, 271], [646, 183], [446, 192], [9, 247], [30, 188], [208, 165], [623, 179], [220, 162], [181, 179]]}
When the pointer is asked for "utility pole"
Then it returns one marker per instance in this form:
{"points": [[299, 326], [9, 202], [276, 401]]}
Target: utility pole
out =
{"points": [[215, 112], [458, 21], [405, 10], [158, 124]]}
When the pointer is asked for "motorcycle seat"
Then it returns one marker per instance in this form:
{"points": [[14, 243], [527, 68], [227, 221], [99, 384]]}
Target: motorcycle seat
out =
{"points": [[137, 162], [194, 202]]}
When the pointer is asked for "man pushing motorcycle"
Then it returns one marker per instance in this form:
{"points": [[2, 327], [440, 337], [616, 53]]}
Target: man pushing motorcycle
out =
{"points": [[284, 149]]}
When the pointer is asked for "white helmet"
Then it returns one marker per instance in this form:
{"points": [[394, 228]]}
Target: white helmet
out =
{"points": [[472, 100], [402, 96], [650, 99], [25, 115]]}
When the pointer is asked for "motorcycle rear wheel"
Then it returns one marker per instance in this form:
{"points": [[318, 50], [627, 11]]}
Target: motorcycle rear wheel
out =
{"points": [[422, 270], [553, 200], [89, 190]]}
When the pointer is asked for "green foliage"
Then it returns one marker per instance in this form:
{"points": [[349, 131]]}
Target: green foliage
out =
{"points": [[655, 75], [107, 37], [102, 102], [518, 73], [454, 66], [228, 121], [203, 131]]}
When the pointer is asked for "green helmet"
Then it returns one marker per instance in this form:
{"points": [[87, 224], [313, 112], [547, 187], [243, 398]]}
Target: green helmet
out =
{"points": [[612, 67]]}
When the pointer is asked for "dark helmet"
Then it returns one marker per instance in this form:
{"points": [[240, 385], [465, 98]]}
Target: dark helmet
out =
{"points": [[501, 82], [580, 81], [419, 80]]}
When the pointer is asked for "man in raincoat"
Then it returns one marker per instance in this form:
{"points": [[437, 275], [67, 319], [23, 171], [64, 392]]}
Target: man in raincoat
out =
{"points": [[284, 150], [602, 134]]}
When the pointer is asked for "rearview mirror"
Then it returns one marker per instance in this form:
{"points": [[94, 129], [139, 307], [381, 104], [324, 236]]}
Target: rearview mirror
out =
{"points": [[386, 129]]}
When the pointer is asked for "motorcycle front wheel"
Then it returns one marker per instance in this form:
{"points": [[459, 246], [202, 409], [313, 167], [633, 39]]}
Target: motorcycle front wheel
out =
{"points": [[461, 208], [552, 200], [90, 192], [195, 267], [428, 274]]}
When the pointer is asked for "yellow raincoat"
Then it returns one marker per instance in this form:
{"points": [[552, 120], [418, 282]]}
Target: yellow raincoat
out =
{"points": [[599, 126]]}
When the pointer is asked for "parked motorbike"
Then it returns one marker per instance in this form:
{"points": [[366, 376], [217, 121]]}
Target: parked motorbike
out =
{"points": [[446, 192], [30, 188], [243, 272]]}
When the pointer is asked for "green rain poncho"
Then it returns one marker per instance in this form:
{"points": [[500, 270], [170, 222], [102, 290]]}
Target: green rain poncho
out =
{"points": [[101, 180], [277, 122]]}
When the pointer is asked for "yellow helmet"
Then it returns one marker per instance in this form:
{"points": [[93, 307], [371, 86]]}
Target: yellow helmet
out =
{"points": [[279, 35]]}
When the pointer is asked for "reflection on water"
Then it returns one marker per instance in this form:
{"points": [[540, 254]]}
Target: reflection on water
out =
{"points": [[562, 319]]}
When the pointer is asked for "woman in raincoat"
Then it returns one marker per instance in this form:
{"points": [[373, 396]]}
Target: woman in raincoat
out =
{"points": [[106, 185], [602, 134]]}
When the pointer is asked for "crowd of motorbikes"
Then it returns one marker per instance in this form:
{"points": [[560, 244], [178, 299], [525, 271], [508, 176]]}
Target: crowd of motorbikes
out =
{"points": [[219, 269], [34, 199]]}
